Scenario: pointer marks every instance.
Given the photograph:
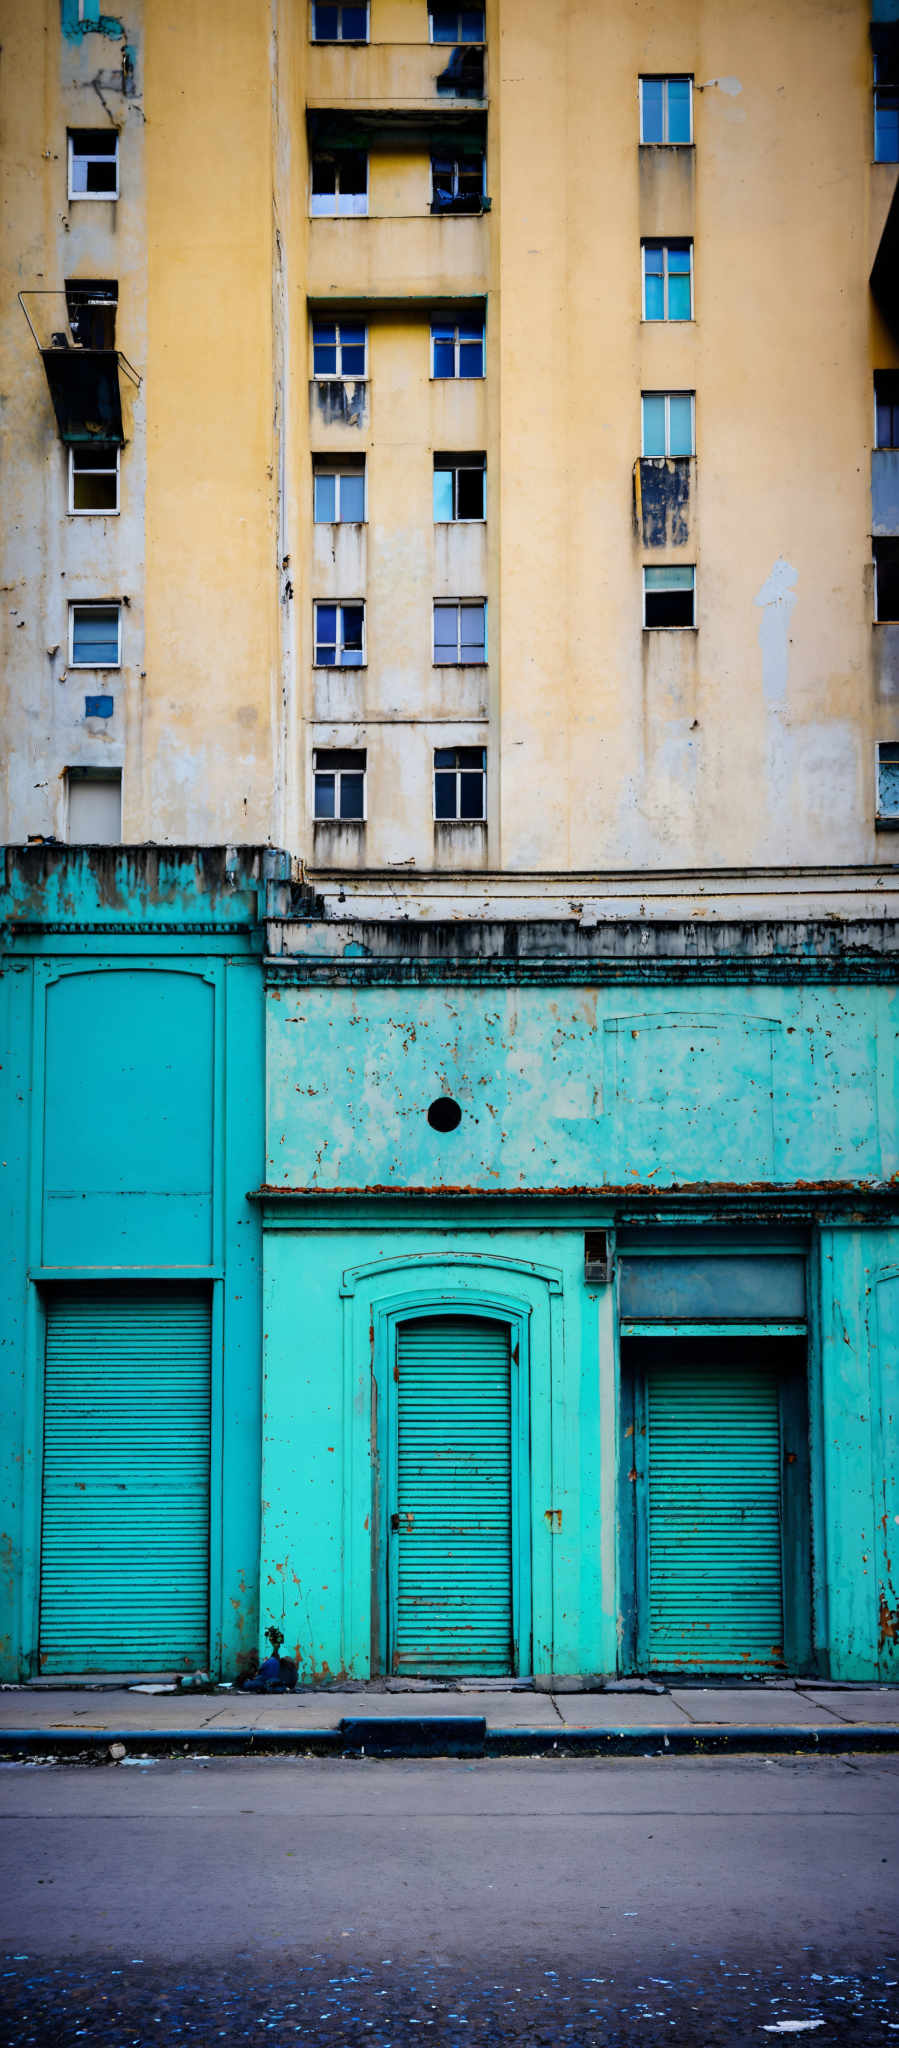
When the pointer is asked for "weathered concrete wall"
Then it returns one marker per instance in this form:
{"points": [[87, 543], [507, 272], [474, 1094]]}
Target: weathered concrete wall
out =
{"points": [[579, 1087], [51, 82], [750, 741]]}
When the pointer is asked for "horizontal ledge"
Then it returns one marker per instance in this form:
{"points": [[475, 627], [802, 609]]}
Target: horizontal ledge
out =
{"points": [[727, 1328]]}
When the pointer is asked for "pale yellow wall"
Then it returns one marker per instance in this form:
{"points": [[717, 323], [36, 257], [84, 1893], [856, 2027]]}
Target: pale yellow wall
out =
{"points": [[211, 542], [751, 741]]}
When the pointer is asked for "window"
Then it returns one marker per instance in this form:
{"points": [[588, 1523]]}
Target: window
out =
{"points": [[459, 482], [460, 783], [95, 635], [669, 597], [94, 806], [91, 305], [457, 184], [886, 580], [666, 110], [339, 493], [339, 348], [668, 423], [886, 102], [93, 163], [339, 23], [340, 183], [667, 280], [888, 780], [339, 635], [456, 24], [460, 631], [457, 350], [94, 477], [339, 784], [886, 409]]}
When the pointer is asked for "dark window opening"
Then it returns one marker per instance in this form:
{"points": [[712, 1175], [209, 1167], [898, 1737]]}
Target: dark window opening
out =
{"points": [[93, 163], [886, 409], [334, 21], [91, 307], [886, 580], [669, 597], [457, 184]]}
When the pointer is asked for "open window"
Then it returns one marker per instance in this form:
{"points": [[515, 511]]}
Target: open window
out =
{"points": [[93, 163], [669, 597], [459, 488], [338, 490], [339, 183], [458, 182], [94, 477], [886, 580]]}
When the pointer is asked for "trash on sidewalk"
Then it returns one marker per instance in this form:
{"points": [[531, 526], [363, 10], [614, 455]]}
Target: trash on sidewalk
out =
{"points": [[275, 1673]]}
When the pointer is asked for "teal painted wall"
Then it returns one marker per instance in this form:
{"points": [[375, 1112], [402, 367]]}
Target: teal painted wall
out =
{"points": [[133, 1117], [333, 1290], [572, 1088], [609, 1095]]}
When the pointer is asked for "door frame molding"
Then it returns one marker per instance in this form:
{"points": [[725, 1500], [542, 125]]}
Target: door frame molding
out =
{"points": [[482, 1303]]}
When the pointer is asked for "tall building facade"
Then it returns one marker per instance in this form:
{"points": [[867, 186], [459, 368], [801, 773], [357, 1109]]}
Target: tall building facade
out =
{"points": [[451, 701]]}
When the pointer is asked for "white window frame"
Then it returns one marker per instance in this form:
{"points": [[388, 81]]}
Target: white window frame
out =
{"points": [[457, 377], [358, 211], [659, 242], [462, 462], [456, 42], [340, 375], [459, 772], [94, 511], [447, 604], [664, 78], [332, 466], [333, 42], [667, 396], [339, 603], [94, 604], [88, 157], [338, 774], [684, 568]]}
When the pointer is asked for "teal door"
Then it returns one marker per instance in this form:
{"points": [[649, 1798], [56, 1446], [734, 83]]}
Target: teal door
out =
{"points": [[715, 1595], [125, 1536], [451, 1576]]}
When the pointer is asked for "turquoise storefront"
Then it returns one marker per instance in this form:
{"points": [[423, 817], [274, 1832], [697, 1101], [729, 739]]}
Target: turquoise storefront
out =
{"points": [[478, 1298]]}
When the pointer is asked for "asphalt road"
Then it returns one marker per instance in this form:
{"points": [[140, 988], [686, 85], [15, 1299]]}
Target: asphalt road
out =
{"points": [[697, 1902]]}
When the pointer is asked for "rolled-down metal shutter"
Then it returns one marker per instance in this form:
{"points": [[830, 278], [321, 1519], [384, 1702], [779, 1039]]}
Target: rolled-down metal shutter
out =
{"points": [[125, 1542], [715, 1571], [454, 1499]]}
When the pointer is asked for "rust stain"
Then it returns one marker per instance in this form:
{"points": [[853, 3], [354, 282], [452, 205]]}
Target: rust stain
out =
{"points": [[889, 1622], [553, 1518]]}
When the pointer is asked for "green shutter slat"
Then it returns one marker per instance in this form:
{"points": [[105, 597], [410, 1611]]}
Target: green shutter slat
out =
{"points": [[125, 1534], [454, 1497], [715, 1571]]}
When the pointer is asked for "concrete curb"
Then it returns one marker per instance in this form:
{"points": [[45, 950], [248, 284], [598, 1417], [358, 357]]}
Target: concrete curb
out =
{"points": [[435, 1736]]}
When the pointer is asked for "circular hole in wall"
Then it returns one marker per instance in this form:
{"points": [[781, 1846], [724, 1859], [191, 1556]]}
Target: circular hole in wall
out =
{"points": [[444, 1114]]}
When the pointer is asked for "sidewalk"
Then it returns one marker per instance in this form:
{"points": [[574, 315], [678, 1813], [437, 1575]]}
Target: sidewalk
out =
{"points": [[44, 1720]]}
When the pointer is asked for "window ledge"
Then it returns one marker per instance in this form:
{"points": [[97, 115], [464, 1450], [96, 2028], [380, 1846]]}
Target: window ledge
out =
{"points": [[343, 668], [671, 629], [887, 824], [340, 824], [336, 526]]}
